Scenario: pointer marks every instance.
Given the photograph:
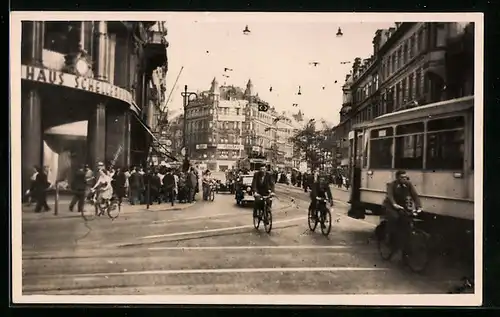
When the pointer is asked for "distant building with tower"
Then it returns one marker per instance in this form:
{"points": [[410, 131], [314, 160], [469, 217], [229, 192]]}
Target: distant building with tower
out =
{"points": [[224, 124]]}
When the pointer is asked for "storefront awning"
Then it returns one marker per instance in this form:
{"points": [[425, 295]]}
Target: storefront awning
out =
{"points": [[165, 150]]}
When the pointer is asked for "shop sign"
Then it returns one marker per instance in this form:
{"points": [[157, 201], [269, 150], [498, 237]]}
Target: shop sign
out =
{"points": [[54, 77], [230, 146], [201, 146]]}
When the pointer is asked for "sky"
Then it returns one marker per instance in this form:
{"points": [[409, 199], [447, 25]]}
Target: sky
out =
{"points": [[277, 53]]}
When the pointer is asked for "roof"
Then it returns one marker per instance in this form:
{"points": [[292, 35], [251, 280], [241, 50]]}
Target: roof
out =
{"points": [[434, 109]]}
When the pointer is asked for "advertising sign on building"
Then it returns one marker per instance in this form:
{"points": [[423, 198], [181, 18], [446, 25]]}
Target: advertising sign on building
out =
{"points": [[230, 146], [201, 146]]}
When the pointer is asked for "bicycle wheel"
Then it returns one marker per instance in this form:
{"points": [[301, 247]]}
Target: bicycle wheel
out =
{"points": [[268, 222], [89, 211], [384, 245], [113, 210], [312, 221], [416, 254], [212, 195], [256, 220], [326, 222]]}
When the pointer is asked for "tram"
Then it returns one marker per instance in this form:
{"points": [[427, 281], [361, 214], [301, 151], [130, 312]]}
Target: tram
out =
{"points": [[433, 143], [253, 163]]}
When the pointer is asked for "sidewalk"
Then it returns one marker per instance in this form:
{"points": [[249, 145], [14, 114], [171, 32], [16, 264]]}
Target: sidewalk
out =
{"points": [[28, 213]]}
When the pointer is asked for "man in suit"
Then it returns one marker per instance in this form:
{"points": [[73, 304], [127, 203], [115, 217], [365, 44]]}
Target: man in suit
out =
{"points": [[169, 185], [262, 185], [78, 186]]}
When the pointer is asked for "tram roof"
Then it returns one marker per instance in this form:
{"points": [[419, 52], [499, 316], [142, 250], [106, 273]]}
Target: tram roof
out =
{"points": [[434, 109]]}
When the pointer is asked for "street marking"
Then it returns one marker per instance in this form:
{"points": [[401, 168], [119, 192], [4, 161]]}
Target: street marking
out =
{"points": [[254, 247], [215, 230], [195, 218], [236, 270]]}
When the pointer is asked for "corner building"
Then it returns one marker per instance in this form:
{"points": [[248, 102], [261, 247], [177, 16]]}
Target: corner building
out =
{"points": [[84, 93], [223, 124]]}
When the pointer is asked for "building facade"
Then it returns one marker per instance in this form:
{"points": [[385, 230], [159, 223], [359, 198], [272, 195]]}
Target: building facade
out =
{"points": [[224, 124], [407, 69], [89, 72]]}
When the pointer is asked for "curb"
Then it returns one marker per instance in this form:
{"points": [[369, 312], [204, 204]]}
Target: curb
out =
{"points": [[31, 216], [184, 206]]}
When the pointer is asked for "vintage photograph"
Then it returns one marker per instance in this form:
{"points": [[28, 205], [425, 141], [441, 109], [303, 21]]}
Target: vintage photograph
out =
{"points": [[199, 157]]}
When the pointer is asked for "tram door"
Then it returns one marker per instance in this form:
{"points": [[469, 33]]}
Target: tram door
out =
{"points": [[355, 164]]}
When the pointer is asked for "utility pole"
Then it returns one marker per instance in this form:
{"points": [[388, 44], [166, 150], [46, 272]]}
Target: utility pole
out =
{"points": [[186, 94]]}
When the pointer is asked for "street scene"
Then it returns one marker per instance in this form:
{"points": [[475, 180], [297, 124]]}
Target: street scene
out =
{"points": [[267, 155], [212, 248]]}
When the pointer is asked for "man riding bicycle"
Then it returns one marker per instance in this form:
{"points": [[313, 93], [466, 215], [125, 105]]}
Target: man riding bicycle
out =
{"points": [[262, 185], [401, 195], [103, 185], [319, 188]]}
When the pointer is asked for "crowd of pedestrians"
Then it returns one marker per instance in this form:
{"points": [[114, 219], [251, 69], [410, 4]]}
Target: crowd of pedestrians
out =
{"points": [[137, 185]]}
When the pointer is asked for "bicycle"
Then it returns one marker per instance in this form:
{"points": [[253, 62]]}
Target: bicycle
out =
{"points": [[321, 215], [415, 246], [92, 208], [211, 192], [264, 214]]}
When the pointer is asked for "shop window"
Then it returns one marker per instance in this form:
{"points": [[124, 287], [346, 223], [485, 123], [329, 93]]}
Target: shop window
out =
{"points": [[381, 148], [445, 144]]}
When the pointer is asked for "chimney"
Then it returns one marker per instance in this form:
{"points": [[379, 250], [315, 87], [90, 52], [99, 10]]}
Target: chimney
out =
{"points": [[391, 31], [347, 77], [377, 41], [356, 65]]}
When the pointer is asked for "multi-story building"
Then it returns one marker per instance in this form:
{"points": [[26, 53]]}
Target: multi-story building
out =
{"points": [[224, 124], [407, 69], [89, 72]]}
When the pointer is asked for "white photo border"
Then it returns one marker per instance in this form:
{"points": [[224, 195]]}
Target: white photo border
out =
{"points": [[16, 17]]}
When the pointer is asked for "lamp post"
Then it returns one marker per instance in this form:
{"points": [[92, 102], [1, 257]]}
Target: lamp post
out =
{"points": [[186, 95]]}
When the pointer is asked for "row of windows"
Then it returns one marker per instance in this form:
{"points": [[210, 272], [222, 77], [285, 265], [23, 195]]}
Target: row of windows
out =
{"points": [[407, 89], [444, 140], [407, 50]]}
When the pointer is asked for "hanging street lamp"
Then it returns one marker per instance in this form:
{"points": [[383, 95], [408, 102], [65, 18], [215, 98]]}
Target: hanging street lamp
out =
{"points": [[246, 31], [339, 32]]}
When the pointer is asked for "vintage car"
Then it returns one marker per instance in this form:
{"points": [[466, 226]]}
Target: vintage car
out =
{"points": [[225, 186], [244, 193]]}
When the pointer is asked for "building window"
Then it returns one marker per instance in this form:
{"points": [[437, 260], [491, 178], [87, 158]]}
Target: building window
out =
{"points": [[410, 87], [405, 53], [381, 148], [445, 144], [404, 94], [420, 41], [409, 146], [394, 62], [412, 46], [440, 35], [418, 83], [400, 57]]}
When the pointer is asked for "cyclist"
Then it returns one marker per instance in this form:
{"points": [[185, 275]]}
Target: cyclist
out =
{"points": [[319, 188], [103, 185], [262, 185], [401, 194]]}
